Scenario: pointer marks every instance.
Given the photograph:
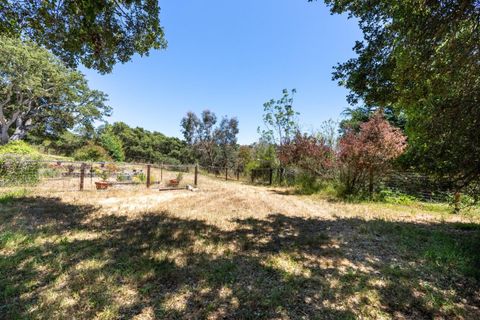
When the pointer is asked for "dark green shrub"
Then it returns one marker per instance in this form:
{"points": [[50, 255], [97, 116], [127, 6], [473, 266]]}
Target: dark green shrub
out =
{"points": [[394, 197], [91, 152], [307, 183]]}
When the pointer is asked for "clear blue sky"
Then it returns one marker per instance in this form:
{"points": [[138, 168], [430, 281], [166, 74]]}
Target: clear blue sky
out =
{"points": [[231, 57]]}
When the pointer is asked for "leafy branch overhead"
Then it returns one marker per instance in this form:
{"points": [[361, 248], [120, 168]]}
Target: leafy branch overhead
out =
{"points": [[97, 33]]}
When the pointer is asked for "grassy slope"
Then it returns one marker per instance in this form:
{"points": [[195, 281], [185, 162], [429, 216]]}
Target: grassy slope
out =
{"points": [[233, 251]]}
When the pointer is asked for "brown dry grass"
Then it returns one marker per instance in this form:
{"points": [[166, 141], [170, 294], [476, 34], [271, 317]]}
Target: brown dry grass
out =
{"points": [[233, 251]]}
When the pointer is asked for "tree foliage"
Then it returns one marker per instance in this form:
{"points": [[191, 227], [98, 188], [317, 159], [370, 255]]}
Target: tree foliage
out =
{"points": [[91, 152], [190, 125], [264, 155], [244, 157], [421, 58], [213, 144], [95, 33], [110, 142], [226, 141], [147, 146], [279, 119], [307, 152], [38, 91], [361, 114], [363, 156]]}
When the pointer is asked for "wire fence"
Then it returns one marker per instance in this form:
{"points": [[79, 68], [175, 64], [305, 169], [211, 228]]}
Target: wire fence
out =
{"points": [[424, 187], [414, 184], [54, 176], [223, 173], [84, 176]]}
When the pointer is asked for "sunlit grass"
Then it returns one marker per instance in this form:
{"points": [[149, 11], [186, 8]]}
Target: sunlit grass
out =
{"points": [[233, 251]]}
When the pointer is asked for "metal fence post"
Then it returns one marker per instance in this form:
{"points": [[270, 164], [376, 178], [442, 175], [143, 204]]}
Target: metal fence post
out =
{"points": [[271, 176], [226, 173], [82, 176], [148, 175]]}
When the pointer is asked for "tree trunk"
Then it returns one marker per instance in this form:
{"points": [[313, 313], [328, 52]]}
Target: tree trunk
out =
{"points": [[456, 202], [4, 138], [21, 129], [370, 182]]}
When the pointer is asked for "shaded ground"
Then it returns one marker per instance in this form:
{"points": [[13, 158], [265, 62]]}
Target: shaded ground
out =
{"points": [[233, 251]]}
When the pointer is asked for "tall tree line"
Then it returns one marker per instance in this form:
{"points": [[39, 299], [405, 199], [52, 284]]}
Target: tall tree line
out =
{"points": [[420, 60], [213, 143]]}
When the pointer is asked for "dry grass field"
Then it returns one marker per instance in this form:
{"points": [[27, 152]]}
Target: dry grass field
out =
{"points": [[233, 251]]}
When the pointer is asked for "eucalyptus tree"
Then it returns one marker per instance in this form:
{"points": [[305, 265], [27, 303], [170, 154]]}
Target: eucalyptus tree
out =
{"points": [[213, 143], [279, 119], [226, 141]]}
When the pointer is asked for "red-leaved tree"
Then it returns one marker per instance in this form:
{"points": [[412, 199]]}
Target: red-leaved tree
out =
{"points": [[306, 152], [365, 155]]}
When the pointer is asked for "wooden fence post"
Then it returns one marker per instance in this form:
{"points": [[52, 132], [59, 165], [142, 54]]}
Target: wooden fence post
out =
{"points": [[161, 171], [271, 176], [226, 173], [457, 202], [196, 175], [148, 175], [82, 176], [238, 174], [252, 175]]}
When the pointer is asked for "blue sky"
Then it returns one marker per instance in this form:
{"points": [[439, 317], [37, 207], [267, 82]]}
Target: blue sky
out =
{"points": [[231, 57]]}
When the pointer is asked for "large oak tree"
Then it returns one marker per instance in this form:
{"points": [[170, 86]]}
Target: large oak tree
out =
{"points": [[38, 91]]}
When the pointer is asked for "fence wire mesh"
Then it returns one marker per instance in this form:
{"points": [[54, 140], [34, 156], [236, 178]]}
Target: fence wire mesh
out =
{"points": [[54, 176], [223, 173], [57, 176], [420, 186]]}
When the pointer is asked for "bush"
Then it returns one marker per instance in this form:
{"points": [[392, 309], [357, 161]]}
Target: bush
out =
{"points": [[141, 178], [113, 145], [18, 148], [179, 177], [17, 170], [91, 152], [18, 165], [394, 197], [308, 153], [307, 183], [364, 156]]}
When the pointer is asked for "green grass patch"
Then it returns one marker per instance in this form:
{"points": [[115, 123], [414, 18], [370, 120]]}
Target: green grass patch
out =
{"points": [[441, 248], [10, 196]]}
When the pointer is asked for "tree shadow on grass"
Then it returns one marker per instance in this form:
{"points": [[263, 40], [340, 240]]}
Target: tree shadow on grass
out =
{"points": [[60, 260], [284, 192]]}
